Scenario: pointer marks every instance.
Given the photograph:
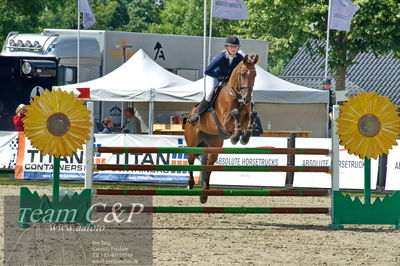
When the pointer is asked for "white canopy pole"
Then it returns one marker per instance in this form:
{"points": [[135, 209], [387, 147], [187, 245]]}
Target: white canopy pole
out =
{"points": [[89, 150], [151, 112], [79, 37]]}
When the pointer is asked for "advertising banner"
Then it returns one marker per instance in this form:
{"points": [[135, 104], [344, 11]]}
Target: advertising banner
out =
{"points": [[33, 165], [351, 167], [252, 178], [393, 168], [8, 149], [30, 164]]}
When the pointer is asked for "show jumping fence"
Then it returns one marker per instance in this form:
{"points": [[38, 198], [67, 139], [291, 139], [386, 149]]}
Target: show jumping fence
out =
{"points": [[214, 192], [333, 170], [210, 168]]}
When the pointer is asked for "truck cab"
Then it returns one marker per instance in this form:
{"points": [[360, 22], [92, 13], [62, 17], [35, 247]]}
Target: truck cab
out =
{"points": [[31, 63]]}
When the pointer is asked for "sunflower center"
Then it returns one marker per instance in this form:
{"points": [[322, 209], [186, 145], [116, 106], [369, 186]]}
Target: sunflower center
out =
{"points": [[369, 125], [58, 124]]}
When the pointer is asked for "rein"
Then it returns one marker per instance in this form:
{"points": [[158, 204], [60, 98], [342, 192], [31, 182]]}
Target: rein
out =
{"points": [[238, 94]]}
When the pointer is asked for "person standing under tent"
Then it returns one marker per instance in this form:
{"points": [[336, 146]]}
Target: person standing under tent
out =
{"points": [[132, 125], [218, 71], [327, 85]]}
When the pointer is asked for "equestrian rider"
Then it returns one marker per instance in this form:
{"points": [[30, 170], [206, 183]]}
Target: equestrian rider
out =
{"points": [[219, 70]]}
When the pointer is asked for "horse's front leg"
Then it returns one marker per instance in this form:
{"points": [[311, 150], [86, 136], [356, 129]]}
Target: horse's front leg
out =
{"points": [[247, 133], [237, 131]]}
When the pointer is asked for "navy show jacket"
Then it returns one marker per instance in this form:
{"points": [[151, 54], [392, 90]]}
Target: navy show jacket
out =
{"points": [[219, 66]]}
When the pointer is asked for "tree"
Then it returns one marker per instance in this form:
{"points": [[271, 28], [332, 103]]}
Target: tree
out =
{"points": [[287, 24], [375, 29], [143, 13], [184, 17], [19, 16], [63, 14], [281, 23]]}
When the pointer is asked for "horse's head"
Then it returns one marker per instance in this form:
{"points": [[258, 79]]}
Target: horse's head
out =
{"points": [[245, 74]]}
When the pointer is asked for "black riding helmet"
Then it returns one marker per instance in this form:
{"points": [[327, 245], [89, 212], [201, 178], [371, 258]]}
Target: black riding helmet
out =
{"points": [[232, 40]]}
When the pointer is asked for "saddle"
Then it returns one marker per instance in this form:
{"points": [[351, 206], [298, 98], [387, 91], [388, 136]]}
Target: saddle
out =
{"points": [[215, 94], [222, 133]]}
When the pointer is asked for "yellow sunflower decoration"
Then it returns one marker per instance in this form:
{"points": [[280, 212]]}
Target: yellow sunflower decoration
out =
{"points": [[57, 123], [368, 125]]}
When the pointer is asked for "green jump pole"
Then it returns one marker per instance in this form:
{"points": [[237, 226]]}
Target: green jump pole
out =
{"points": [[367, 181], [56, 179], [209, 168], [213, 192], [173, 209]]}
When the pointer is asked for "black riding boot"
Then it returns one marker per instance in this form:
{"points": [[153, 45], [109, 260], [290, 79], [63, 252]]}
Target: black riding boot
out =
{"points": [[201, 108]]}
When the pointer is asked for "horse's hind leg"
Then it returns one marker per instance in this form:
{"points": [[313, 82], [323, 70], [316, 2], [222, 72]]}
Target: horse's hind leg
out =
{"points": [[211, 159], [191, 158], [192, 138], [205, 177]]}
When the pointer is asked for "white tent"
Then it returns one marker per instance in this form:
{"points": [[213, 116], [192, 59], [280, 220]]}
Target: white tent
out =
{"points": [[134, 81], [137, 80], [286, 105], [267, 89]]}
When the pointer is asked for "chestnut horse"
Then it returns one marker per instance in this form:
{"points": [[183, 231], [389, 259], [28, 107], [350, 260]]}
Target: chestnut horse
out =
{"points": [[233, 118]]}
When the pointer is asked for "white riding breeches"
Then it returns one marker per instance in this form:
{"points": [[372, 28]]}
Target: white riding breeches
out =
{"points": [[210, 85]]}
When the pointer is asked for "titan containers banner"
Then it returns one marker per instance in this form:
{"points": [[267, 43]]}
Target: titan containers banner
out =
{"points": [[8, 149], [33, 165], [351, 167]]}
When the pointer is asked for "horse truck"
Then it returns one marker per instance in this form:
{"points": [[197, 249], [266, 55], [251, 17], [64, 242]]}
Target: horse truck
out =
{"points": [[31, 63]]}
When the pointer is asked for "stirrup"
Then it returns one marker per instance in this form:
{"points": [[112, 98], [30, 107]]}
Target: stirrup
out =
{"points": [[194, 119]]}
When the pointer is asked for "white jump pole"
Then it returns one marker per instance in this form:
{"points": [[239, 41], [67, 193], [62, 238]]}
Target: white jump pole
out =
{"points": [[89, 150], [335, 158]]}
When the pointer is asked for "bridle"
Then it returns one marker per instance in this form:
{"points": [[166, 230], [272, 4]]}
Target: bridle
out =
{"points": [[239, 95]]}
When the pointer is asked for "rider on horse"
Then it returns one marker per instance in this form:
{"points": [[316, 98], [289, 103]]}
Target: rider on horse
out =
{"points": [[218, 71]]}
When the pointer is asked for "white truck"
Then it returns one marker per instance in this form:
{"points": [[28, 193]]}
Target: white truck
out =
{"points": [[50, 58]]}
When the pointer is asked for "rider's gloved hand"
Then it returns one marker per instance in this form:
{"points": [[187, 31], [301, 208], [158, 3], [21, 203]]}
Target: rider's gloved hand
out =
{"points": [[223, 79]]}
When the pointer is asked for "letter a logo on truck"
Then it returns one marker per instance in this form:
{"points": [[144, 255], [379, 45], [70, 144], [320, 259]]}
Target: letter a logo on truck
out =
{"points": [[159, 51]]}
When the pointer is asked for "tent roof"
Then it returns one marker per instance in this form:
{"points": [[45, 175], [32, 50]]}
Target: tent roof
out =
{"points": [[271, 89], [267, 89], [132, 81]]}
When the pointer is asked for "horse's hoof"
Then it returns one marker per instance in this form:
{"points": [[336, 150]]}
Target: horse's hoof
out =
{"points": [[244, 141], [203, 199], [234, 140]]}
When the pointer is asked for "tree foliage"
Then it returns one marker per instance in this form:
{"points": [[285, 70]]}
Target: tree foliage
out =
{"points": [[375, 29], [285, 24], [34, 15]]}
